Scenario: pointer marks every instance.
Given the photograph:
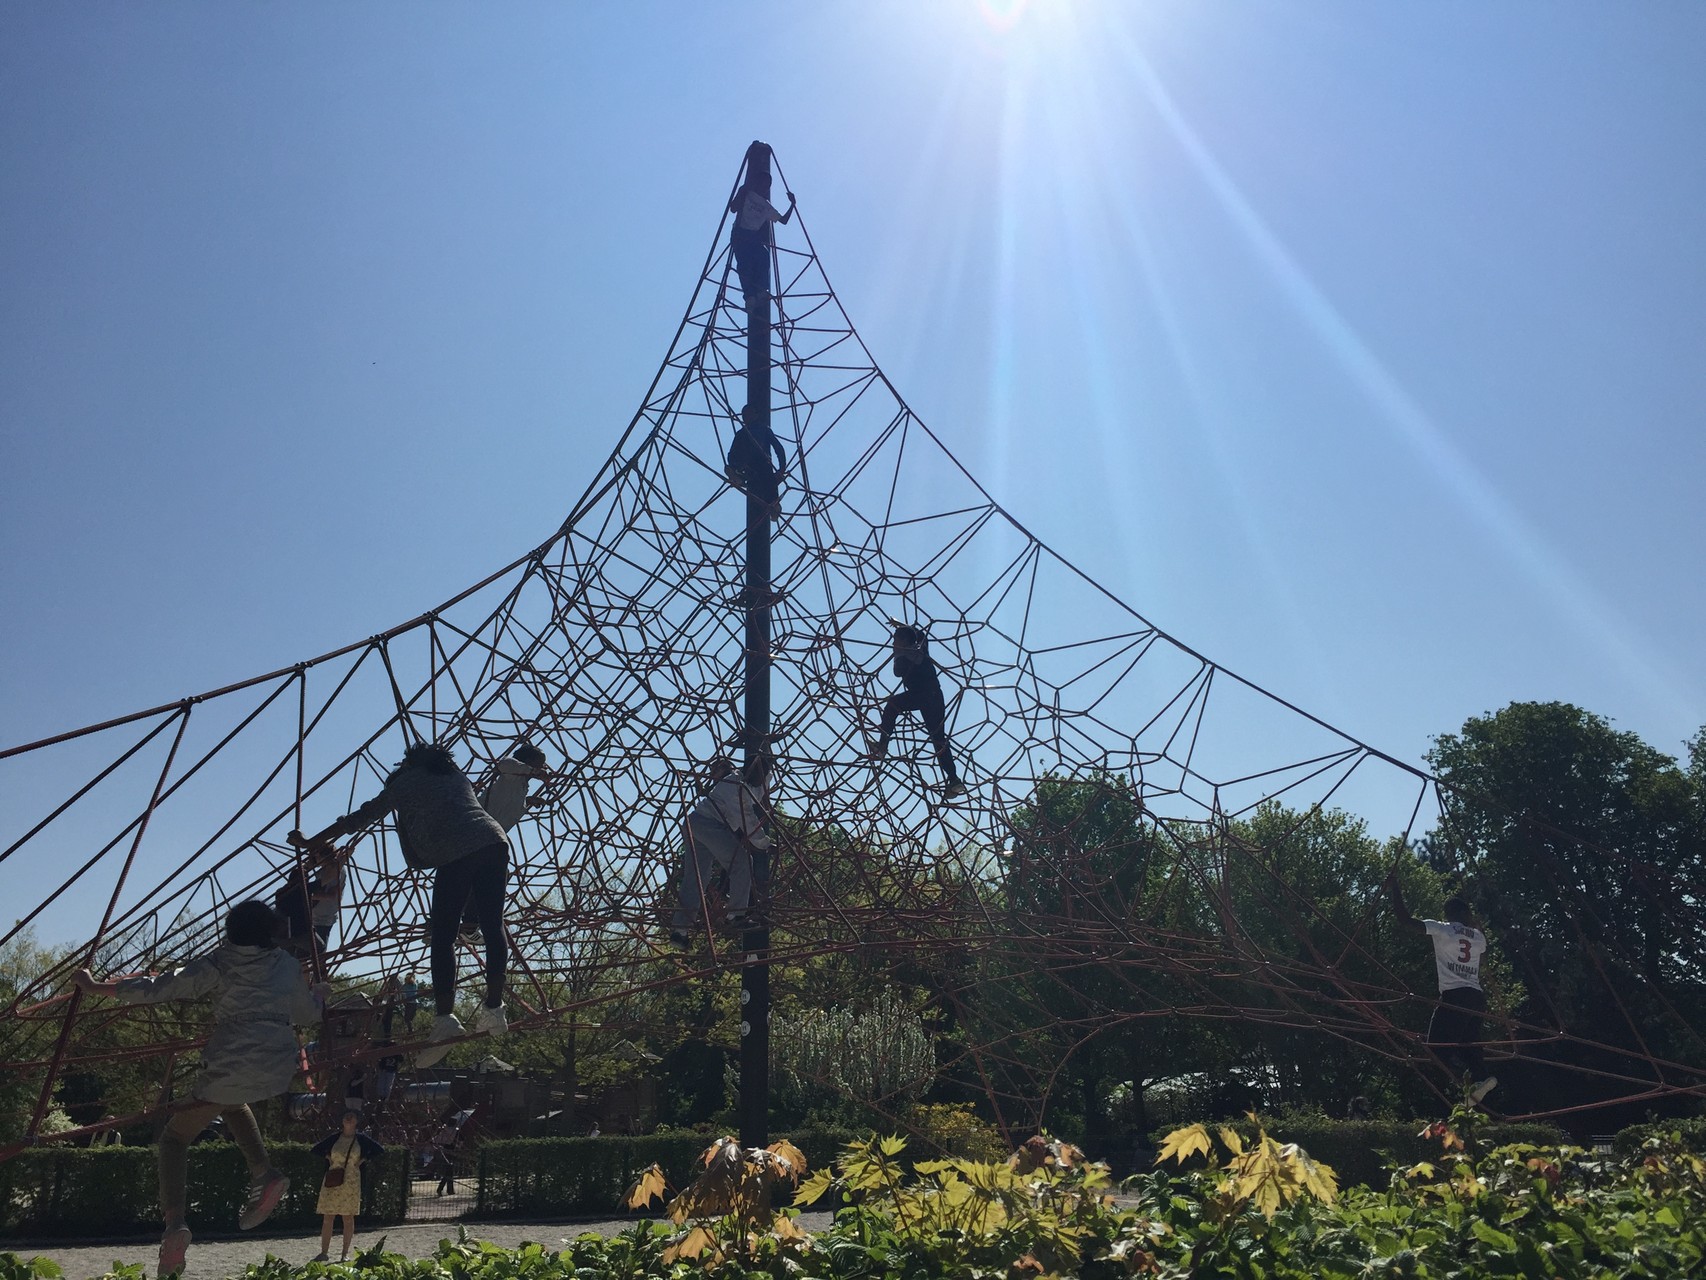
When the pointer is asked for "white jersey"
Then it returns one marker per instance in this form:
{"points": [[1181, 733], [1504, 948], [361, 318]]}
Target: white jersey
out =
{"points": [[1457, 953], [756, 213]]}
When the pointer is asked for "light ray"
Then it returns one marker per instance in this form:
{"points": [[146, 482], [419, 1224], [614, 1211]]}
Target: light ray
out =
{"points": [[1575, 599]]}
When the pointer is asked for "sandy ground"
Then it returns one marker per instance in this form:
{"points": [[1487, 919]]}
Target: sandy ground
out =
{"points": [[216, 1257]]}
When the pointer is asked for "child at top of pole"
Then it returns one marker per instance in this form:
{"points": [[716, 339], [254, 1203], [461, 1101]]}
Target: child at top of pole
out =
{"points": [[251, 1055], [442, 827], [1454, 1031], [922, 692], [750, 237]]}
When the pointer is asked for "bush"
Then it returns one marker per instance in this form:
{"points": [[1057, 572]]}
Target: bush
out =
{"points": [[1257, 1211], [1690, 1131], [950, 1129], [104, 1191], [565, 1177], [1363, 1152]]}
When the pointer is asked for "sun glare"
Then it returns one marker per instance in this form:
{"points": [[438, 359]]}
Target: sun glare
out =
{"points": [[1002, 15]]}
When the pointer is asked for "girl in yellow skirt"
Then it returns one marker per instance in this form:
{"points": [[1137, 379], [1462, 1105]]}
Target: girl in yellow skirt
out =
{"points": [[345, 1152]]}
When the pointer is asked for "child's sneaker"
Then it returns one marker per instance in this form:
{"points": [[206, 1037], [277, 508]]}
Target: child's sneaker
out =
{"points": [[1483, 1088], [263, 1199], [878, 751], [954, 790], [446, 1026], [493, 1021], [174, 1246]]}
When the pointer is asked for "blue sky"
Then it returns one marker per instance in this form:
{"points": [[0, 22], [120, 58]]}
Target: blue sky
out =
{"points": [[1361, 347]]}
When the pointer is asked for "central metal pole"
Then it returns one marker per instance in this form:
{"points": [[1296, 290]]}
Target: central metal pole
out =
{"points": [[755, 941]]}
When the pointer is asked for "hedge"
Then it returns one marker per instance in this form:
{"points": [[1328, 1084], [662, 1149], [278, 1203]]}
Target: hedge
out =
{"points": [[1363, 1152], [111, 1191], [561, 1177], [1691, 1129]]}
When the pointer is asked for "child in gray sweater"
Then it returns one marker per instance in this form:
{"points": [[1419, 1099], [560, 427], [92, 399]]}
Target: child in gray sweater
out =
{"points": [[251, 1055], [442, 827]]}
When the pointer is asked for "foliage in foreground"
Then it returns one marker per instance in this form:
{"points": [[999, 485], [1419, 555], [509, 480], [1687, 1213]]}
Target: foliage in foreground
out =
{"points": [[1230, 1207]]}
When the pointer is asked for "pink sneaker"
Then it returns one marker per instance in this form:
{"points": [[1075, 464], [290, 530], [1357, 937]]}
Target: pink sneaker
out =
{"points": [[263, 1199], [174, 1245]]}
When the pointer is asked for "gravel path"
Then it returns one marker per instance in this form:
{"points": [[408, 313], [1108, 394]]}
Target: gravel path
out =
{"points": [[215, 1258]]}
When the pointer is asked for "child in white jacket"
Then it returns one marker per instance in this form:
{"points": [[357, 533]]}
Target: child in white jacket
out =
{"points": [[251, 1055], [721, 832]]}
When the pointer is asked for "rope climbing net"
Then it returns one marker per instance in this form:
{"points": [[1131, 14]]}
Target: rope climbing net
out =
{"points": [[616, 646]]}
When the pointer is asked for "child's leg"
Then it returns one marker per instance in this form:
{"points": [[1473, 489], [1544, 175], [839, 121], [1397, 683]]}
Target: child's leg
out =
{"points": [[1446, 1035], [1474, 1004], [490, 879], [240, 1123], [935, 713], [326, 1232], [174, 1157], [697, 868], [450, 890], [752, 261], [740, 882], [903, 701]]}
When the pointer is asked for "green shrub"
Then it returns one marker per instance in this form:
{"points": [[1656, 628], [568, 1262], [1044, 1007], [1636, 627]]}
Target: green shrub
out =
{"points": [[1363, 1152], [949, 1129], [1256, 1212], [100, 1191], [1691, 1131]]}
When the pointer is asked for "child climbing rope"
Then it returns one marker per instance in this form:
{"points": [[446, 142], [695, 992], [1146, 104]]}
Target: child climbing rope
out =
{"points": [[1454, 1032], [442, 827], [309, 903], [751, 236], [923, 694], [720, 834], [505, 798], [750, 468], [251, 1055]]}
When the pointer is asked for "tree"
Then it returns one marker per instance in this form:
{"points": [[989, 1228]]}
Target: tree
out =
{"points": [[1586, 848]]}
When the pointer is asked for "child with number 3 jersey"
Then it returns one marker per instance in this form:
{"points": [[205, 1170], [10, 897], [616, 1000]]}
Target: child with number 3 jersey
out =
{"points": [[1454, 1033]]}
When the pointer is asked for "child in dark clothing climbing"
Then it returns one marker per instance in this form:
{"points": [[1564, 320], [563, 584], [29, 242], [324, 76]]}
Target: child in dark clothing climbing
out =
{"points": [[442, 827], [750, 236], [923, 694], [749, 466]]}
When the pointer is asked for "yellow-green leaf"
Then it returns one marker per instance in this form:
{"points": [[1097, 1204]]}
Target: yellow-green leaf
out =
{"points": [[649, 1186], [1230, 1137], [1184, 1143], [813, 1188], [785, 1150], [691, 1245]]}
